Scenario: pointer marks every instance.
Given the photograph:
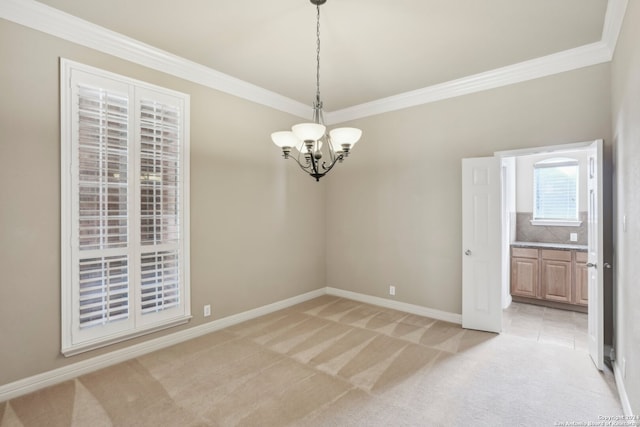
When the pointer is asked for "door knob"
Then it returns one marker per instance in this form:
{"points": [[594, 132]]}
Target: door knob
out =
{"points": [[607, 265], [467, 252], [591, 264]]}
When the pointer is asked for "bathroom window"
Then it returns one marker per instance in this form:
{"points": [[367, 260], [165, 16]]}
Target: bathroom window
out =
{"points": [[555, 191]]}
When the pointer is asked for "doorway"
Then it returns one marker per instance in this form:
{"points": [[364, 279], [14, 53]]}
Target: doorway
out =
{"points": [[551, 245], [489, 237], [546, 250]]}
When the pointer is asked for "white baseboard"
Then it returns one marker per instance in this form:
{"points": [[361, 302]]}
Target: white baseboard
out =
{"points": [[397, 305], [507, 301], [622, 391], [56, 376]]}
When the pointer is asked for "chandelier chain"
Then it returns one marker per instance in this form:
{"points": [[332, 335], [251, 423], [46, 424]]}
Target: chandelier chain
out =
{"points": [[318, 55]]}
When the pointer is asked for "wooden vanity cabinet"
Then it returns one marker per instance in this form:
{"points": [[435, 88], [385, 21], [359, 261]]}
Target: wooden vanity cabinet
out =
{"points": [[554, 275], [555, 279], [524, 272], [581, 279]]}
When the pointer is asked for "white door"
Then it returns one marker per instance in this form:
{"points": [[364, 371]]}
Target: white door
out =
{"points": [[595, 255], [481, 237]]}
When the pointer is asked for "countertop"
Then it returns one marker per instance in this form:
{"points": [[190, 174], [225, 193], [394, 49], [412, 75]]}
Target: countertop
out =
{"points": [[565, 246]]}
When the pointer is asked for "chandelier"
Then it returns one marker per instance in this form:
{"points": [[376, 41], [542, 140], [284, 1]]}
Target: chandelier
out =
{"points": [[309, 139]]}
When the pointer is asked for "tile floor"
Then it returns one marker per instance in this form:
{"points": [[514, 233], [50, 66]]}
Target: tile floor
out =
{"points": [[546, 325]]}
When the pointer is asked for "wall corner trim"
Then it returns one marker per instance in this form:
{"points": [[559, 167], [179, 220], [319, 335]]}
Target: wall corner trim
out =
{"points": [[616, 10], [622, 391]]}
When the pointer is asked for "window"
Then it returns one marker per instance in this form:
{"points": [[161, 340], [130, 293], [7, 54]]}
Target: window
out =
{"points": [[125, 195], [555, 193]]}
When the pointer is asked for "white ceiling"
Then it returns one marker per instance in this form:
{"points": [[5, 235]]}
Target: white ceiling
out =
{"points": [[369, 49]]}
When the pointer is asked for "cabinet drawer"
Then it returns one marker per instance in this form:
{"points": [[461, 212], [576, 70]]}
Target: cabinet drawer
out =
{"points": [[524, 252], [556, 255], [581, 257]]}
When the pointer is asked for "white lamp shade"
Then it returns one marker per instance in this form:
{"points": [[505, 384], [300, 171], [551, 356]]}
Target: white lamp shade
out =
{"points": [[285, 138], [308, 131], [341, 136]]}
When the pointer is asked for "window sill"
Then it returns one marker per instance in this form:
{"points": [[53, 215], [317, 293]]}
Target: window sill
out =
{"points": [[83, 347], [556, 223]]}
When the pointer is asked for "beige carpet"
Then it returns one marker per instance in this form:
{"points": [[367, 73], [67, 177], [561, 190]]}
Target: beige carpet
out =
{"points": [[333, 362]]}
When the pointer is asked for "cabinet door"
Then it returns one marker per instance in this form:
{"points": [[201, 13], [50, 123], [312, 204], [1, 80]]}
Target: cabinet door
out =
{"points": [[524, 277], [581, 278], [556, 275]]}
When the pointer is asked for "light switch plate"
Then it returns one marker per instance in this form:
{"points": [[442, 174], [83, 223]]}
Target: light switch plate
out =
{"points": [[573, 237]]}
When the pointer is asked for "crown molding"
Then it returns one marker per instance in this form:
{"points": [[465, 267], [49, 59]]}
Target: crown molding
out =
{"points": [[54, 22], [41, 17], [583, 56], [613, 23], [572, 59]]}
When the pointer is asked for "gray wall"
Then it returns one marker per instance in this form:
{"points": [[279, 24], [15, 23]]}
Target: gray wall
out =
{"points": [[245, 203], [626, 134], [394, 209]]}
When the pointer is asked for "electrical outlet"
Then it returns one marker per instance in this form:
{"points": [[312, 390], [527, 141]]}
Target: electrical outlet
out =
{"points": [[207, 310], [392, 290], [573, 237]]}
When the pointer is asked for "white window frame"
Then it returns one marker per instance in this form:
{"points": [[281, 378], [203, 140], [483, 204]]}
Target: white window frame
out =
{"points": [[564, 222], [74, 339]]}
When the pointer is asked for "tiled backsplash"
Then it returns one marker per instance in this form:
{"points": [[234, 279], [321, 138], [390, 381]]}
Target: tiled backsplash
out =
{"points": [[525, 232]]}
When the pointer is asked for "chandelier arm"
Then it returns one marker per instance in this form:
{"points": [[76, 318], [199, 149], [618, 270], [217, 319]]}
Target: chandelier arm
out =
{"points": [[332, 153], [312, 167], [314, 161], [297, 158], [307, 164], [304, 168], [332, 164]]}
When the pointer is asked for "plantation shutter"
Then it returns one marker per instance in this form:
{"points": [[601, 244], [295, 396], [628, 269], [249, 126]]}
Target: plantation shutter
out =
{"points": [[125, 234], [104, 269], [556, 190], [160, 198]]}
